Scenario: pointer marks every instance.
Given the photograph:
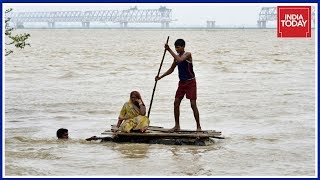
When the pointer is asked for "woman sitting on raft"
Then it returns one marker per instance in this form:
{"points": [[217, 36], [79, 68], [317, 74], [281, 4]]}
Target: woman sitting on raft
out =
{"points": [[132, 115]]}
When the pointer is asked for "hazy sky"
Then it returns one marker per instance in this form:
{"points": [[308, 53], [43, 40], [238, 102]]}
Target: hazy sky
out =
{"points": [[231, 14]]}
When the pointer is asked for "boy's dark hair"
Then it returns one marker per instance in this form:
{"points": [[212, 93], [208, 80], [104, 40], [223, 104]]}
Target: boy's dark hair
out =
{"points": [[60, 132], [180, 42]]}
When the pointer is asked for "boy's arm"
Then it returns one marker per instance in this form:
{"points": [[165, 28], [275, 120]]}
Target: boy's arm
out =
{"points": [[178, 59], [169, 71]]}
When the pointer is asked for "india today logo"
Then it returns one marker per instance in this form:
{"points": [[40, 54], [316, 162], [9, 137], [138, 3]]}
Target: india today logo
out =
{"points": [[294, 21]]}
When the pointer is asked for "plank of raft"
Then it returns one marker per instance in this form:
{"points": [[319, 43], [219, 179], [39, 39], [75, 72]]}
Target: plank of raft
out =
{"points": [[114, 126], [182, 130], [158, 128], [186, 132], [159, 132], [153, 134]]}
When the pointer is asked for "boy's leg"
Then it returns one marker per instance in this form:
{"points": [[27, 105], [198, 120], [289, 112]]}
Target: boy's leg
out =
{"points": [[196, 113], [191, 93], [177, 103]]}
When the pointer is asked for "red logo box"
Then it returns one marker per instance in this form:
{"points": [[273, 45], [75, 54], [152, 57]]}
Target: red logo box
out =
{"points": [[294, 21]]}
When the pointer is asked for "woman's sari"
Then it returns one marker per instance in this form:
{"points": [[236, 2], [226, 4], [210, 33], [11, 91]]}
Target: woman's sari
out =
{"points": [[138, 122]]}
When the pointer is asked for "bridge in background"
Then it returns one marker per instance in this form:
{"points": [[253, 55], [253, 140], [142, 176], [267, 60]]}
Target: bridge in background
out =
{"points": [[123, 17], [270, 14]]}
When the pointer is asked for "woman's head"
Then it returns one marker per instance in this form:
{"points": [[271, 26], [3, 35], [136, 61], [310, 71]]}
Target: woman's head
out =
{"points": [[134, 96]]}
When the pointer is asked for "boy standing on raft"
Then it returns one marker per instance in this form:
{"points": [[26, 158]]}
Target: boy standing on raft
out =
{"points": [[187, 84]]}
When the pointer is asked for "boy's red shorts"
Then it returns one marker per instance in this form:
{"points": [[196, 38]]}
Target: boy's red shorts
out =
{"points": [[188, 88]]}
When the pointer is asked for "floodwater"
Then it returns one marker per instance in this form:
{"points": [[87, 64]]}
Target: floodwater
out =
{"points": [[259, 90]]}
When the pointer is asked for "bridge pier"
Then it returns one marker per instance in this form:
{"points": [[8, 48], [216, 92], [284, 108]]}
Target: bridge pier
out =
{"points": [[262, 24], [19, 25], [211, 24], [51, 25], [123, 24], [85, 24], [165, 25]]}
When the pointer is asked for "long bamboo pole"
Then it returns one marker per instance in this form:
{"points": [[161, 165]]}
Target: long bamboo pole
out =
{"points": [[155, 83]]}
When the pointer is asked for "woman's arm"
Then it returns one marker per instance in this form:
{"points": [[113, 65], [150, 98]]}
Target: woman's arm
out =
{"points": [[119, 122], [124, 118], [142, 108], [122, 115]]}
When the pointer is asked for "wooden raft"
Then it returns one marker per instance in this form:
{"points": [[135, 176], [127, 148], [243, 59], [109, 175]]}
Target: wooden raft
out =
{"points": [[160, 132]]}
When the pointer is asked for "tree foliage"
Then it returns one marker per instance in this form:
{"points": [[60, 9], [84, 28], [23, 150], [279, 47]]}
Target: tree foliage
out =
{"points": [[17, 40]]}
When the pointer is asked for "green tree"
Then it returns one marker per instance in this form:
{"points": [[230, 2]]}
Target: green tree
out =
{"points": [[18, 40]]}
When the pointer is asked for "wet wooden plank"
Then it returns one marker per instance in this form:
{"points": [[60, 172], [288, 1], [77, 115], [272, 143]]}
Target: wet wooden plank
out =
{"points": [[160, 133], [181, 130], [163, 134], [162, 129]]}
